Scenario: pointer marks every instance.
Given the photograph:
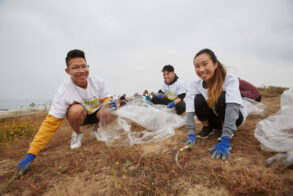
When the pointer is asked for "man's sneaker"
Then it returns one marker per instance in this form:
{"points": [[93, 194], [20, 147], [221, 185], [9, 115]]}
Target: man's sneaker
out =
{"points": [[76, 140], [205, 132]]}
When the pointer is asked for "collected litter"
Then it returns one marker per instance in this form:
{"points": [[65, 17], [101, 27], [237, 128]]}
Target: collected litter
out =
{"points": [[176, 156], [275, 133], [158, 124], [253, 107]]}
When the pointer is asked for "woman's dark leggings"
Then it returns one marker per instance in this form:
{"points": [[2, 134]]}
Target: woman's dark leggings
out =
{"points": [[180, 107], [215, 117]]}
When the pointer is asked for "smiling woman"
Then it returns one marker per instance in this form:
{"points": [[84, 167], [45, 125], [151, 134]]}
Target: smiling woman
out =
{"points": [[212, 72], [216, 101]]}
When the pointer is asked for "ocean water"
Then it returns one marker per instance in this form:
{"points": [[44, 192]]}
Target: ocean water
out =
{"points": [[21, 104]]}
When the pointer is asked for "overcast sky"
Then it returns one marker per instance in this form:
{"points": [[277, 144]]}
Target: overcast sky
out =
{"points": [[128, 42]]}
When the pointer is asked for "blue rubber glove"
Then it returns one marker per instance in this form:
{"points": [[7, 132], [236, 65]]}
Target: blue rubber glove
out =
{"points": [[24, 165], [190, 141], [112, 105], [223, 149], [171, 104], [159, 96]]}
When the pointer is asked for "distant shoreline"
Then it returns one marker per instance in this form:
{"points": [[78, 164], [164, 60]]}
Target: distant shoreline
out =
{"points": [[22, 112], [24, 104]]}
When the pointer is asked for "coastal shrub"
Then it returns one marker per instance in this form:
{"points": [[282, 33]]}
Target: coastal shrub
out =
{"points": [[13, 128]]}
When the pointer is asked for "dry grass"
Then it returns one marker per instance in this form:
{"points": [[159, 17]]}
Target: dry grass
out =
{"points": [[271, 91], [148, 169]]}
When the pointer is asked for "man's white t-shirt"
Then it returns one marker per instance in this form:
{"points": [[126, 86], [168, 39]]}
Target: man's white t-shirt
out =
{"points": [[69, 93], [230, 86], [175, 89]]}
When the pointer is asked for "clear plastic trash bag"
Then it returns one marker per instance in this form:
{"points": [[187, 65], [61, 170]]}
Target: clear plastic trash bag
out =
{"points": [[157, 123], [253, 107], [275, 133]]}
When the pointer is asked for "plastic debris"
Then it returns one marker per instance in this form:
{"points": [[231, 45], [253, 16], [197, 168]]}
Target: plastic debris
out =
{"points": [[158, 123], [176, 155], [253, 107], [275, 133]]}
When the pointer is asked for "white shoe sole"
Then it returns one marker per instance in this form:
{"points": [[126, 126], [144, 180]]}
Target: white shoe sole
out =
{"points": [[78, 143], [75, 146], [211, 133]]}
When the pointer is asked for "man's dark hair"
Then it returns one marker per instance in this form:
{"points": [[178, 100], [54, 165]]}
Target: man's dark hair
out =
{"points": [[168, 68], [74, 54]]}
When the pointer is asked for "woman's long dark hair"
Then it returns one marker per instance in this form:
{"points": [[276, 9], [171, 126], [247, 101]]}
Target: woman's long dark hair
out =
{"points": [[217, 81]]}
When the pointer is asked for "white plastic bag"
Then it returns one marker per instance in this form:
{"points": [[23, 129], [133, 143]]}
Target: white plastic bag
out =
{"points": [[276, 132], [158, 122], [253, 107]]}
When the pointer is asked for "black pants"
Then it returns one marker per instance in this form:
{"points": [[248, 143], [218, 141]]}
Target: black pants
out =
{"points": [[215, 117], [180, 107], [91, 118], [258, 99]]}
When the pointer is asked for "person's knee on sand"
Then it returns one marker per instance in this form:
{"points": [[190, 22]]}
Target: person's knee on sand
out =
{"points": [[76, 115]]}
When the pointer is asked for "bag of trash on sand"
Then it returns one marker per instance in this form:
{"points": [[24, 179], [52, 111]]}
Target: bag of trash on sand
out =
{"points": [[275, 133], [155, 122], [253, 107]]}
